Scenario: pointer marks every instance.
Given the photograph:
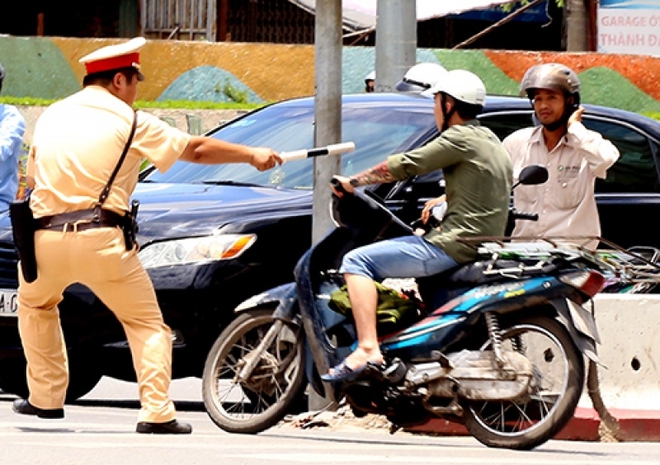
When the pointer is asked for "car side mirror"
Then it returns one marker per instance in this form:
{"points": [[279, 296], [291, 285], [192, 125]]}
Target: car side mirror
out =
{"points": [[531, 175]]}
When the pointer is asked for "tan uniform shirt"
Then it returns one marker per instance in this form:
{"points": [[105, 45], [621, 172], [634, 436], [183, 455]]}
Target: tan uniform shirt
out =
{"points": [[77, 143], [565, 203]]}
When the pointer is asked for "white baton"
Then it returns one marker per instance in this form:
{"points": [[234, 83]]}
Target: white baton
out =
{"points": [[333, 149]]}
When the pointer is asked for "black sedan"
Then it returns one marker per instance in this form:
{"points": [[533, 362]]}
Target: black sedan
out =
{"points": [[212, 236]]}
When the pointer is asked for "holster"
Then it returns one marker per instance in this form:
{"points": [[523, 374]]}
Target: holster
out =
{"points": [[130, 226], [23, 227]]}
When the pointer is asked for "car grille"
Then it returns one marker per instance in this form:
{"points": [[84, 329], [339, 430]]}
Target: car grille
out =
{"points": [[8, 266]]}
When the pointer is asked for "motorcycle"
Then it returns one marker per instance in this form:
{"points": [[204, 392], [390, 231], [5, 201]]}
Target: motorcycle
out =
{"points": [[496, 344]]}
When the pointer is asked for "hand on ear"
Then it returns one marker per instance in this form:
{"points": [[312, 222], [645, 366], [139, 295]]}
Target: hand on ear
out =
{"points": [[576, 117]]}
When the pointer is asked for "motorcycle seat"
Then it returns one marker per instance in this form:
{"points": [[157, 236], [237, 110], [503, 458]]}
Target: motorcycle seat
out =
{"points": [[473, 273]]}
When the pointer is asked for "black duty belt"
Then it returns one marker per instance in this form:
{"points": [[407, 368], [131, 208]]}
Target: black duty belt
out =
{"points": [[80, 220]]}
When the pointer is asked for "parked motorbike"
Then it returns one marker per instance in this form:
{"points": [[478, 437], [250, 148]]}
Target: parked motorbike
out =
{"points": [[496, 344]]}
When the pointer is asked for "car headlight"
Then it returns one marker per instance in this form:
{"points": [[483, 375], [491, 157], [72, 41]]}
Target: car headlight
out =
{"points": [[195, 250]]}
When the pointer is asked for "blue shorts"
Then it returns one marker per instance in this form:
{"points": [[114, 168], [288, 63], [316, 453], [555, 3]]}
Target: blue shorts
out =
{"points": [[402, 257]]}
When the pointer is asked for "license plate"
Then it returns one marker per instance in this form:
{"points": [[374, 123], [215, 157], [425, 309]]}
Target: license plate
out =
{"points": [[8, 302]]}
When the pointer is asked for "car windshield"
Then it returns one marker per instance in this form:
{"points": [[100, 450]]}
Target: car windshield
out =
{"points": [[377, 133]]}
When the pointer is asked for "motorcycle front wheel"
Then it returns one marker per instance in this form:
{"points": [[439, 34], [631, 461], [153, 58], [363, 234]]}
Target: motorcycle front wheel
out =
{"points": [[554, 392], [276, 383]]}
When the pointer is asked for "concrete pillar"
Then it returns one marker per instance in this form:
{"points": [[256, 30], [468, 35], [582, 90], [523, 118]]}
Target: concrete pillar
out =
{"points": [[396, 41]]}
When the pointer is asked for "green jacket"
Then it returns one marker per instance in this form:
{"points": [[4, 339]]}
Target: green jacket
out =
{"points": [[478, 176]]}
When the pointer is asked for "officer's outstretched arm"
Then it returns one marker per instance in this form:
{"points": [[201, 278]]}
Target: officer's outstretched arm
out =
{"points": [[208, 150]]}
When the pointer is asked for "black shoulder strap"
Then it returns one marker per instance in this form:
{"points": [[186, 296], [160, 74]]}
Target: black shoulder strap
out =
{"points": [[106, 189]]}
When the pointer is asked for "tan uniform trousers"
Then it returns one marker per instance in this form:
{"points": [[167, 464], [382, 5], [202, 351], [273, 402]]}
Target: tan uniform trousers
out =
{"points": [[98, 259]]}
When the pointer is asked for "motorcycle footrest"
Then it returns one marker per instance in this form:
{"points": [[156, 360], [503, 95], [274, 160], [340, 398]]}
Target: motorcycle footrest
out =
{"points": [[437, 357], [395, 372]]}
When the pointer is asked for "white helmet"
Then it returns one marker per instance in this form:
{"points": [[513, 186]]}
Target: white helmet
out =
{"points": [[370, 77], [462, 85], [420, 77]]}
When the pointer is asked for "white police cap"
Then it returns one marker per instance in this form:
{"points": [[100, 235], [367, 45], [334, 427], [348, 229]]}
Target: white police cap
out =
{"points": [[124, 55]]}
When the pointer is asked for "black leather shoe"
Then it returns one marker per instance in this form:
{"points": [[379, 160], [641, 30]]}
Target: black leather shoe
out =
{"points": [[24, 407], [171, 427]]}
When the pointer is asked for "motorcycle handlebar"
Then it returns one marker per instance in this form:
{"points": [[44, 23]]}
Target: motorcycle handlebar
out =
{"points": [[517, 215], [336, 185]]}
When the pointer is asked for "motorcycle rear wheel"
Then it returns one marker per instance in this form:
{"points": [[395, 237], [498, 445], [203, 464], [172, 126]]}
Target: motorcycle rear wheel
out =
{"points": [[277, 383], [555, 388]]}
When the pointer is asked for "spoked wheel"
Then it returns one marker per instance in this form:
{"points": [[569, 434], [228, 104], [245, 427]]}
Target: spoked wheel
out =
{"points": [[276, 382], [553, 394]]}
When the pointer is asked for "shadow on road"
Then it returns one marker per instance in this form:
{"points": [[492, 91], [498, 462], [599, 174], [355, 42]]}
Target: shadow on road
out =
{"points": [[181, 406]]}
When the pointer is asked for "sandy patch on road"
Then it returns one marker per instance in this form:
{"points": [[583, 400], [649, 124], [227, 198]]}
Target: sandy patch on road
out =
{"points": [[342, 419]]}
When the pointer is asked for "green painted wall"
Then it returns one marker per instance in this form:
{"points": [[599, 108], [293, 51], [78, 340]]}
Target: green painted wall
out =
{"points": [[183, 70]]}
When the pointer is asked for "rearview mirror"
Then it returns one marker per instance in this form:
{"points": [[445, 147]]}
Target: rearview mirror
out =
{"points": [[532, 174]]}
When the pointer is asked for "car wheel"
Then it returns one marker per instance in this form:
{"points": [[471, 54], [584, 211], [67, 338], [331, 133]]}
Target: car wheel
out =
{"points": [[12, 377], [84, 375]]}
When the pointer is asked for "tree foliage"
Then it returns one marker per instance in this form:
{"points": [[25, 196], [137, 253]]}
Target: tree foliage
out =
{"points": [[509, 7]]}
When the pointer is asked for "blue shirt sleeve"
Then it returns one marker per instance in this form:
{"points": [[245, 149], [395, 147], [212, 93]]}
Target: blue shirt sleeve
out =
{"points": [[12, 129]]}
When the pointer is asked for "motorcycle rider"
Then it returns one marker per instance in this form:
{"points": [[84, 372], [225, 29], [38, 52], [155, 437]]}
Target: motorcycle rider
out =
{"points": [[420, 77], [574, 156], [478, 176]]}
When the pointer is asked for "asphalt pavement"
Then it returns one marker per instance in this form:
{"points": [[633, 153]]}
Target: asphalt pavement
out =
{"points": [[99, 430]]}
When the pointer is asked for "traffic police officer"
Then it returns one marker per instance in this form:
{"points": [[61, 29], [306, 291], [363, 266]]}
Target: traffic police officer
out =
{"points": [[77, 143]]}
